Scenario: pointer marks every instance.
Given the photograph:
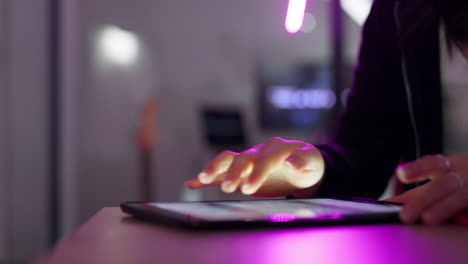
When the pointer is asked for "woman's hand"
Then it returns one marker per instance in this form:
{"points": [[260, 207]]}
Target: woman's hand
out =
{"points": [[444, 197], [276, 168]]}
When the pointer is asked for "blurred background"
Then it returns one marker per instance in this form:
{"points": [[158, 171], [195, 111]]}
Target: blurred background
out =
{"points": [[104, 101]]}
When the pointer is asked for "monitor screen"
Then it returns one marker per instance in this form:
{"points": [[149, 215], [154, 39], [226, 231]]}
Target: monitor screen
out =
{"points": [[297, 97]]}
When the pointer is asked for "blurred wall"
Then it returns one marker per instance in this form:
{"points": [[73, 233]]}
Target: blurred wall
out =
{"points": [[108, 101], [193, 53], [4, 137], [24, 129]]}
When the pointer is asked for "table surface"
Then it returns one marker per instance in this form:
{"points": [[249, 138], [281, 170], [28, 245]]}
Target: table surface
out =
{"points": [[112, 237]]}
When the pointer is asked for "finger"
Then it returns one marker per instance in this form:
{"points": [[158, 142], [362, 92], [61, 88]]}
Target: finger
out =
{"points": [[309, 161], [277, 141], [409, 195], [240, 166], [427, 167], [272, 141], [448, 207], [196, 184], [271, 155], [217, 166], [406, 196], [436, 191], [257, 147]]}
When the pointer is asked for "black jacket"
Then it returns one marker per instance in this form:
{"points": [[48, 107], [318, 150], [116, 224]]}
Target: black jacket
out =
{"points": [[376, 130]]}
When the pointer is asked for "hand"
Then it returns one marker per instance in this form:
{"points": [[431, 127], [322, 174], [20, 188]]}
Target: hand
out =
{"points": [[444, 197], [276, 168]]}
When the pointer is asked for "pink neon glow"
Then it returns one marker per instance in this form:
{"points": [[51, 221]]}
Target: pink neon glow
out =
{"points": [[295, 15], [281, 217]]}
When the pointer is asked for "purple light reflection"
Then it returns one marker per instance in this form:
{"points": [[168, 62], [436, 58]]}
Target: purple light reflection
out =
{"points": [[281, 217], [349, 244], [356, 244], [330, 217]]}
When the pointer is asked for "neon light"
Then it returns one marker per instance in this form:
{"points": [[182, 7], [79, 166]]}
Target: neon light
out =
{"points": [[358, 10], [295, 15]]}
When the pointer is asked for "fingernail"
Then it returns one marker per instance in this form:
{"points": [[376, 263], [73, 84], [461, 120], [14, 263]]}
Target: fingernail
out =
{"points": [[247, 189], [402, 174], [226, 187], [204, 178], [188, 185]]}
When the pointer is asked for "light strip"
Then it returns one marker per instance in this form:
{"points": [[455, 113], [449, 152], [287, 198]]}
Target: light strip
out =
{"points": [[295, 15]]}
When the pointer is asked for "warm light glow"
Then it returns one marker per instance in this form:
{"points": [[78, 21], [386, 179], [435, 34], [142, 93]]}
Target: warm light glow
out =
{"points": [[295, 15], [118, 46], [358, 10]]}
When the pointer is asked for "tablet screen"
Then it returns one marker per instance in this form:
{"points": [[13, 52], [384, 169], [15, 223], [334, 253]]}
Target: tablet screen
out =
{"points": [[275, 210]]}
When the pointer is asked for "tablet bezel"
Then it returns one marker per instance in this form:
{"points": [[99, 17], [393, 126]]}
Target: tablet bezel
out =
{"points": [[149, 213]]}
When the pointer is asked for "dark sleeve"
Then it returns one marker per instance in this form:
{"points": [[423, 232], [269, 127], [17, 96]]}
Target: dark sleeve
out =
{"points": [[372, 130]]}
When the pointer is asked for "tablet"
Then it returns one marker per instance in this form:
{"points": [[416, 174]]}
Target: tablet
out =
{"points": [[265, 213]]}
